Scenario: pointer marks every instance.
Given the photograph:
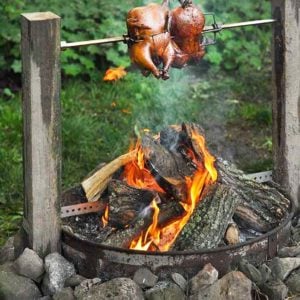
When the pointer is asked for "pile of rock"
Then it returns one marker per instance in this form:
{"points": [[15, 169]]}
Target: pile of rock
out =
{"points": [[30, 277]]}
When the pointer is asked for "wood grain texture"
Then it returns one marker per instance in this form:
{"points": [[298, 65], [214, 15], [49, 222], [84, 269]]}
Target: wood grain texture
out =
{"points": [[286, 96], [41, 130]]}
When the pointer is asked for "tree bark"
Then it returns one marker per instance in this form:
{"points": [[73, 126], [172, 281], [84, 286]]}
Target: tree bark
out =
{"points": [[208, 223], [126, 203], [262, 207]]}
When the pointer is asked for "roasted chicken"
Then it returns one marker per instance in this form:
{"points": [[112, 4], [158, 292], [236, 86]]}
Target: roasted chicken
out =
{"points": [[186, 26], [160, 36], [151, 41]]}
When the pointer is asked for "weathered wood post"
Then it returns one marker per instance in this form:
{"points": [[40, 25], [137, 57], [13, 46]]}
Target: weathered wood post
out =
{"points": [[41, 133], [286, 98]]}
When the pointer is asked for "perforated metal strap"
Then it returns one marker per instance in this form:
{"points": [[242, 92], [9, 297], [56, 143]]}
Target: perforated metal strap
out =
{"points": [[80, 209], [89, 207], [261, 176]]}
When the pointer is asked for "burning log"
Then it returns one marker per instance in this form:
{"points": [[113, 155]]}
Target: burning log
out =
{"points": [[97, 183], [126, 203], [123, 238], [208, 223], [168, 168], [169, 212], [192, 131]]}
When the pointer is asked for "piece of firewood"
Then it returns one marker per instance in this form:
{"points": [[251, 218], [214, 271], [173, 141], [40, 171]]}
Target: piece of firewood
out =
{"points": [[192, 129], [168, 167], [169, 212], [97, 183], [126, 203], [123, 238], [262, 207], [209, 221]]}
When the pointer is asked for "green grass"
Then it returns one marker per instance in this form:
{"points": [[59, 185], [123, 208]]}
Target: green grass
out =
{"points": [[99, 119]]}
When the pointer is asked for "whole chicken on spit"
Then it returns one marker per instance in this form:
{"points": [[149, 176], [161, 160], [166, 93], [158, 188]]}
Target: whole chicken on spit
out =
{"points": [[160, 36]]}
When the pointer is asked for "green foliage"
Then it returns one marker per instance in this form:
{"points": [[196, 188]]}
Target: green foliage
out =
{"points": [[81, 20], [10, 166], [10, 151], [242, 49], [255, 113], [10, 35]]}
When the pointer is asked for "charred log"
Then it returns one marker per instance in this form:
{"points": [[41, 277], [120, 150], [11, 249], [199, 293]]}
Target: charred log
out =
{"points": [[208, 223], [169, 168], [169, 212], [126, 203], [123, 238], [192, 129]]}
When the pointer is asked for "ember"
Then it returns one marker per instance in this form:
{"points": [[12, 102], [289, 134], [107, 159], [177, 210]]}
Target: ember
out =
{"points": [[114, 74]]}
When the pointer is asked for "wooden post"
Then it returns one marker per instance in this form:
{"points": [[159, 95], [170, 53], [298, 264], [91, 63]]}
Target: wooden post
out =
{"points": [[286, 98], [41, 130]]}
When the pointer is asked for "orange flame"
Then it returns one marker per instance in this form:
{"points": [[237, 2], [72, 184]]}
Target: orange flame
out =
{"points": [[105, 216], [152, 235], [114, 74], [136, 175]]}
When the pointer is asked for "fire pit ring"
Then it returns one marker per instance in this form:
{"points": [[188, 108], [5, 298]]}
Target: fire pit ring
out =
{"points": [[95, 260]]}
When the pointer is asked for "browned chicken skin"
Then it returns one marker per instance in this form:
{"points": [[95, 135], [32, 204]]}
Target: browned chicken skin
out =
{"points": [[187, 24], [148, 27], [154, 43]]}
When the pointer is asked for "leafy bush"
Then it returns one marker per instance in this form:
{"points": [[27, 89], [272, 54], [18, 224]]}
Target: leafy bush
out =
{"points": [[241, 49], [81, 20], [10, 35]]}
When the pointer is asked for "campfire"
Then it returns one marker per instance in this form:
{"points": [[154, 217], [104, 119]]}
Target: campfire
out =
{"points": [[170, 193], [137, 175]]}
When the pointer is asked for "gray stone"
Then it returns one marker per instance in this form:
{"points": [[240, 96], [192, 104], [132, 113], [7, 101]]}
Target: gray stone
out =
{"points": [[58, 270], [85, 286], [179, 280], [117, 289], [289, 251], [275, 289], [265, 272], [296, 235], [165, 291], [45, 298], [7, 252], [74, 280], [207, 276], [8, 267], [233, 286], [282, 267], [64, 294], [20, 241], [16, 287], [30, 265], [293, 282], [250, 271], [145, 278]]}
